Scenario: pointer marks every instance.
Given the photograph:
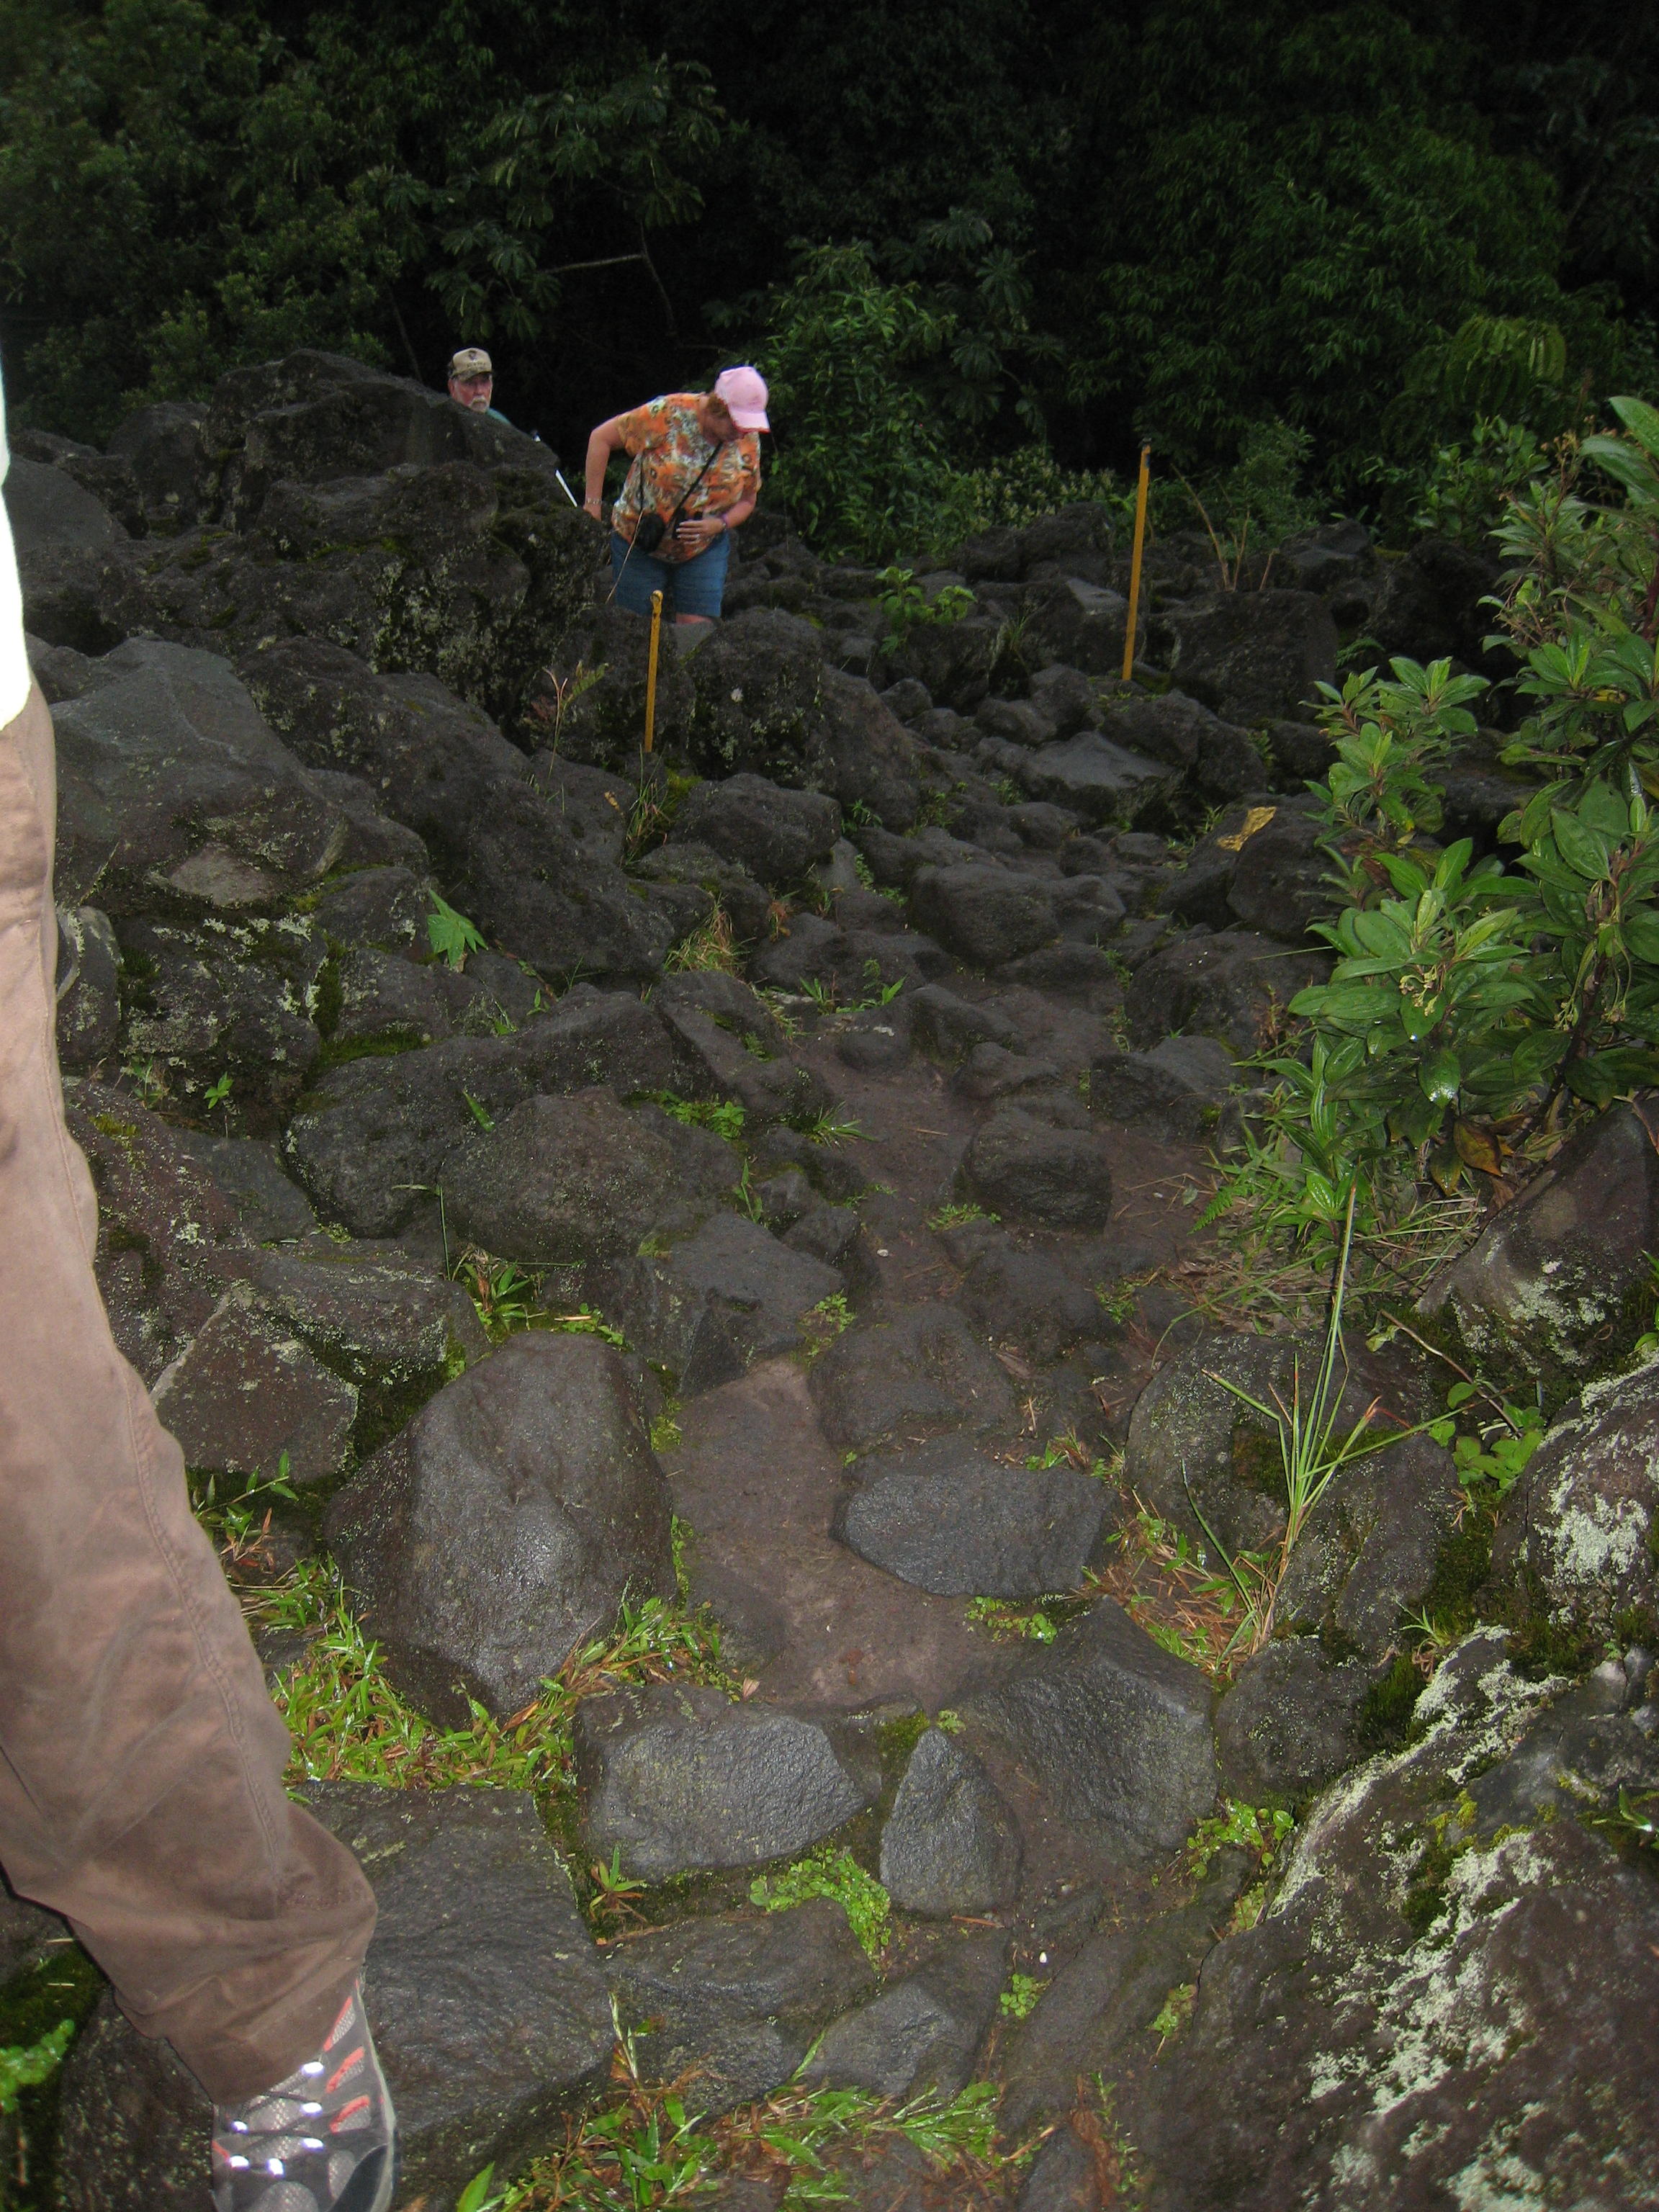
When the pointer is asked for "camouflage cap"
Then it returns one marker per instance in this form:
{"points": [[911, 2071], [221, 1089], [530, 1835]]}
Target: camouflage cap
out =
{"points": [[471, 361]]}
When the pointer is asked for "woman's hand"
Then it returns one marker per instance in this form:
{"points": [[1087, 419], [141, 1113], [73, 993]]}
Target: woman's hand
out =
{"points": [[593, 506], [701, 530]]}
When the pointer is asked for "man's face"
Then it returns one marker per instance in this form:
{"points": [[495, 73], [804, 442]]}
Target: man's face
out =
{"points": [[472, 392]]}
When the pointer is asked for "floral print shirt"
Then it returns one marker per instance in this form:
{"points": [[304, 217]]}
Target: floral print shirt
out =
{"points": [[668, 449]]}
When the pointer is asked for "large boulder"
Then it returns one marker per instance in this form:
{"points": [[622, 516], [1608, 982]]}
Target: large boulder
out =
{"points": [[1218, 756], [566, 1181], [48, 511], [229, 993], [1102, 780], [169, 1240], [394, 1329], [1581, 1523], [505, 1523], [371, 1140], [710, 1305], [921, 1371], [1291, 1721], [163, 447], [945, 1518], [678, 1778], [1281, 882], [775, 833], [1254, 656], [1557, 1285], [1431, 604], [434, 761], [1040, 1160], [1181, 1089], [245, 1399], [1081, 623], [483, 1987], [756, 683], [950, 1845], [1197, 1454], [738, 1999], [544, 896], [986, 914], [466, 560], [314, 417], [1114, 1728], [1233, 986], [165, 764], [922, 2034], [1442, 2003]]}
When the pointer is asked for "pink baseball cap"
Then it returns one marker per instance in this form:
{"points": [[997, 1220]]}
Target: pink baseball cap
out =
{"points": [[744, 390]]}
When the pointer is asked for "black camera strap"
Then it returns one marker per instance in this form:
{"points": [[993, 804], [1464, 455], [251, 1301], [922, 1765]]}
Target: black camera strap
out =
{"points": [[674, 518]]}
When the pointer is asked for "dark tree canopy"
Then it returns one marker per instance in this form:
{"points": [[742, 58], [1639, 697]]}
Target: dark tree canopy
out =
{"points": [[1093, 222]]}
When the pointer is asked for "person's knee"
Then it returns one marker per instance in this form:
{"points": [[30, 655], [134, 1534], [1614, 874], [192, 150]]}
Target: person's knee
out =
{"points": [[687, 620]]}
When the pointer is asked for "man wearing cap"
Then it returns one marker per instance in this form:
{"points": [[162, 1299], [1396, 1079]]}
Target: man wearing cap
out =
{"points": [[695, 478], [472, 382]]}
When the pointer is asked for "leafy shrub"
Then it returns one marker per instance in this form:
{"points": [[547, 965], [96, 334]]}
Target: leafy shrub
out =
{"points": [[861, 463], [1475, 1007], [1019, 486], [1468, 484]]}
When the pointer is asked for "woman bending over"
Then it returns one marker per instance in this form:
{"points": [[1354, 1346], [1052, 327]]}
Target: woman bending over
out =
{"points": [[694, 477]]}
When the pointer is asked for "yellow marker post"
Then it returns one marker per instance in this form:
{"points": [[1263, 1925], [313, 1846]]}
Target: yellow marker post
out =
{"points": [[1134, 564], [651, 671]]}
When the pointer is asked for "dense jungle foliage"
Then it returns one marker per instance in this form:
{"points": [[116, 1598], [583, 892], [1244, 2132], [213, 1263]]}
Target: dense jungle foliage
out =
{"points": [[951, 227]]}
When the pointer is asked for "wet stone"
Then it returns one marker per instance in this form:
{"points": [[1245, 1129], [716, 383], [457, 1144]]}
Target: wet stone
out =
{"points": [[677, 1778]]}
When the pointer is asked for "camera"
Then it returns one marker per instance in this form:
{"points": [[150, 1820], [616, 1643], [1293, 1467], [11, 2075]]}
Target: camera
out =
{"points": [[649, 532]]}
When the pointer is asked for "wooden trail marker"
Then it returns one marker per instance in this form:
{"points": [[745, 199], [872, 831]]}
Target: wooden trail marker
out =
{"points": [[1134, 563], [651, 672]]}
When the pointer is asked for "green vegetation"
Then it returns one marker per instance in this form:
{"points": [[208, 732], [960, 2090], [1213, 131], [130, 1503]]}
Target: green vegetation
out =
{"points": [[959, 1217], [1238, 1826], [1018, 2001], [1477, 1010], [833, 1872], [348, 1722], [723, 1116], [648, 2147], [1428, 220], [450, 934], [26, 2068], [905, 602]]}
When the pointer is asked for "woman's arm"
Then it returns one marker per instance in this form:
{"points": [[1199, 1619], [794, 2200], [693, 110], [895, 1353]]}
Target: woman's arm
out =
{"points": [[606, 438], [703, 529]]}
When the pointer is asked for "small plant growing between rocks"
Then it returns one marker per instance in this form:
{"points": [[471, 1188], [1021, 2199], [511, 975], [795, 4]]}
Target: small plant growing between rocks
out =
{"points": [[725, 1116], [834, 1872], [823, 1323], [450, 934], [1019, 2000], [903, 599], [710, 946], [960, 1217]]}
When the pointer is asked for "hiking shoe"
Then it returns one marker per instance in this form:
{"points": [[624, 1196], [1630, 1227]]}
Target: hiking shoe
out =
{"points": [[324, 2141]]}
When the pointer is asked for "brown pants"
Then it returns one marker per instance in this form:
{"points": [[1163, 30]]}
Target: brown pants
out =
{"points": [[141, 1760]]}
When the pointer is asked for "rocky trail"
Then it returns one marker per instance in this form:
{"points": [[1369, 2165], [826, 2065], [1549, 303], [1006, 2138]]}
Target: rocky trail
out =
{"points": [[761, 1187]]}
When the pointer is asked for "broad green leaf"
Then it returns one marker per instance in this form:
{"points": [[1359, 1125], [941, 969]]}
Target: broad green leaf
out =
{"points": [[1588, 1078], [1441, 1076], [1602, 809], [1583, 849], [1642, 934], [1642, 420]]}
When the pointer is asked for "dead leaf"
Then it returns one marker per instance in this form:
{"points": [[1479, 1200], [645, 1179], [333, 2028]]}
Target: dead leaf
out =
{"points": [[1478, 1148], [1257, 818]]}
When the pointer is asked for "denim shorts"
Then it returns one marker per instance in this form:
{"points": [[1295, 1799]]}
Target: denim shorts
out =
{"points": [[695, 586]]}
